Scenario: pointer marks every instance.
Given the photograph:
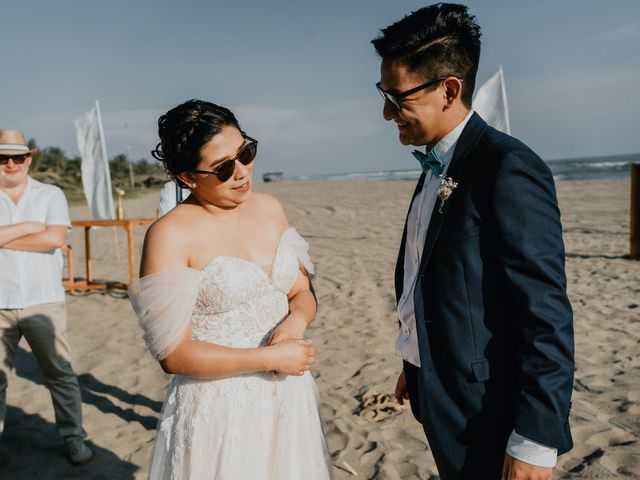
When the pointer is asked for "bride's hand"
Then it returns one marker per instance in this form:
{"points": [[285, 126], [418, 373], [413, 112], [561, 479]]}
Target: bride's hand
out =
{"points": [[292, 356], [291, 327]]}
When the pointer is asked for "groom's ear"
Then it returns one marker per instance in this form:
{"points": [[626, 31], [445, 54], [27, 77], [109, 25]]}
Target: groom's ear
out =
{"points": [[452, 91]]}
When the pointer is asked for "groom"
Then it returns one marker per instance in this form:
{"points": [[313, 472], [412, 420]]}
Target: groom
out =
{"points": [[486, 330]]}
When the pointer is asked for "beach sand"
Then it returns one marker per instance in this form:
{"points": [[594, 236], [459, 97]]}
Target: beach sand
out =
{"points": [[354, 228]]}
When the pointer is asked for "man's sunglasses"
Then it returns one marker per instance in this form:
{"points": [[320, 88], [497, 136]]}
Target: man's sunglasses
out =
{"points": [[245, 156], [17, 159], [396, 98]]}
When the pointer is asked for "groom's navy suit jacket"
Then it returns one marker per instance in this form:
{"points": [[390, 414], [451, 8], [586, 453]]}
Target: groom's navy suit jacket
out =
{"points": [[495, 327]]}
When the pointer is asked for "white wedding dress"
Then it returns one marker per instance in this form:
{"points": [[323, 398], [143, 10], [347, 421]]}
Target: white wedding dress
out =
{"points": [[247, 427]]}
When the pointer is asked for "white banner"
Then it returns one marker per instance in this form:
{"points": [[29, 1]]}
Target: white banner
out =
{"points": [[491, 103], [96, 179]]}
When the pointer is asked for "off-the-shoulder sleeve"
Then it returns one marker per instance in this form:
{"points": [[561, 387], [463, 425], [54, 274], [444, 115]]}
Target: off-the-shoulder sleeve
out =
{"points": [[164, 303], [301, 248]]}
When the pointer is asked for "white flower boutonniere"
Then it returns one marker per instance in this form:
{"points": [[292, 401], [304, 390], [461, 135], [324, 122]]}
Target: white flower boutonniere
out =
{"points": [[447, 186]]}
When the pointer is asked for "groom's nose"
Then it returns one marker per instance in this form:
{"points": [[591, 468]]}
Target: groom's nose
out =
{"points": [[389, 111]]}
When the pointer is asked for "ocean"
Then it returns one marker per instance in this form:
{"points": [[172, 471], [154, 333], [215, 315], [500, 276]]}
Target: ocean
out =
{"points": [[591, 168]]}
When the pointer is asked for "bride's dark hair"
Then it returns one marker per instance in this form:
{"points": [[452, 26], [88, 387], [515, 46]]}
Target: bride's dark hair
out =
{"points": [[185, 129]]}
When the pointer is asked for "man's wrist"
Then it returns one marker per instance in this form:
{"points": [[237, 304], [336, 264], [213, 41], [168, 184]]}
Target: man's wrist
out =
{"points": [[531, 452]]}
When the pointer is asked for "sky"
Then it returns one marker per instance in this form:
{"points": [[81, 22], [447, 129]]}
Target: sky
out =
{"points": [[300, 75]]}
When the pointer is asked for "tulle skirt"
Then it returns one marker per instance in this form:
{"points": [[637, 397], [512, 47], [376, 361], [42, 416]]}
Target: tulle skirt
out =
{"points": [[246, 427]]}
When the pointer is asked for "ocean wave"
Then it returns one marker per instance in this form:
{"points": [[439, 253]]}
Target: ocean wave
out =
{"points": [[603, 164], [569, 169]]}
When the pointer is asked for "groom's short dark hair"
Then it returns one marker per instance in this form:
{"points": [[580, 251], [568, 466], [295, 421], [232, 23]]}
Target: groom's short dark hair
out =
{"points": [[437, 40]]}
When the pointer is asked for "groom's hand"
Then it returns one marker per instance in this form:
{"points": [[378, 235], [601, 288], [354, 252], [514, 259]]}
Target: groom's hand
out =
{"points": [[402, 392], [513, 469]]}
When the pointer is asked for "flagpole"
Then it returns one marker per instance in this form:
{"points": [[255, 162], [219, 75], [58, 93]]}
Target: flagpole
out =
{"points": [[504, 99], [131, 180], [103, 145]]}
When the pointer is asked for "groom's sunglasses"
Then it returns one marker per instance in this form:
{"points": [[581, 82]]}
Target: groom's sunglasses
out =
{"points": [[245, 156], [17, 159], [396, 98]]}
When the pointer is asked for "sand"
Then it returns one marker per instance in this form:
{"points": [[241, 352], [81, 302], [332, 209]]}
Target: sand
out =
{"points": [[354, 229]]}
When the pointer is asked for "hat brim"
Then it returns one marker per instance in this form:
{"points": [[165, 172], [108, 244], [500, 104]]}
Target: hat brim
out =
{"points": [[17, 152]]}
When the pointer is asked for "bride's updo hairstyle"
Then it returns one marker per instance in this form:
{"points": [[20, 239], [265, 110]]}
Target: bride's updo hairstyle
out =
{"points": [[184, 130]]}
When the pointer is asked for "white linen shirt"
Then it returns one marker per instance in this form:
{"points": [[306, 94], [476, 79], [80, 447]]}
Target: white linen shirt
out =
{"points": [[518, 446], [417, 224], [168, 199], [32, 278]]}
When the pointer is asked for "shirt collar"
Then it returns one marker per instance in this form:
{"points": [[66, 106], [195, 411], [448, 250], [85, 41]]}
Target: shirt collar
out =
{"points": [[32, 184], [447, 145]]}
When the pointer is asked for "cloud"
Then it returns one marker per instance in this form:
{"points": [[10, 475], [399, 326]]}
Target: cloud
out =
{"points": [[134, 128], [302, 138], [137, 129], [625, 32], [327, 123], [576, 114]]}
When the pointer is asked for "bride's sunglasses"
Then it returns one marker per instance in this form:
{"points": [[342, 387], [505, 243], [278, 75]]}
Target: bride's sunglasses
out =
{"points": [[245, 156]]}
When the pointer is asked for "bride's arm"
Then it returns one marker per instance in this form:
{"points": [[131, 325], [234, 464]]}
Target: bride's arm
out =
{"points": [[302, 299], [302, 310], [165, 250], [207, 360]]}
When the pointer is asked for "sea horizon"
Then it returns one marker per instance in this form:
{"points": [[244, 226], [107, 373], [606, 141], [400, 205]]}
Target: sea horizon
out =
{"points": [[579, 168]]}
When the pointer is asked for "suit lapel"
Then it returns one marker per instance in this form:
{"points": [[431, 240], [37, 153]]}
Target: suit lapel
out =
{"points": [[399, 274], [457, 170]]}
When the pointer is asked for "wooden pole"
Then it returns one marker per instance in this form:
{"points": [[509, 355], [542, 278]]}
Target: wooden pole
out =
{"points": [[635, 211], [116, 243], [70, 263], [87, 251], [130, 247]]}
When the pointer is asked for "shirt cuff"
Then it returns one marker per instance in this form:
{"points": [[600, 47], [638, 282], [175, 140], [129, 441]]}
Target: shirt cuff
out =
{"points": [[533, 453]]}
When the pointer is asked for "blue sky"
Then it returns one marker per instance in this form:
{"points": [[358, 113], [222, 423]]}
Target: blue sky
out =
{"points": [[300, 74]]}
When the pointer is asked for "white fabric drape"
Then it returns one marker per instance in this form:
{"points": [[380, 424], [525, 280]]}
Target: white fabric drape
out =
{"points": [[96, 179], [164, 303], [490, 103], [301, 248]]}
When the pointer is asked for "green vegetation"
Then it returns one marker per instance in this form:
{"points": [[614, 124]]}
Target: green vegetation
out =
{"points": [[51, 165]]}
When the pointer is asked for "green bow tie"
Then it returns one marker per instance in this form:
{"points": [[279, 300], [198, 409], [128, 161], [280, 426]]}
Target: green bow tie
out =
{"points": [[430, 161]]}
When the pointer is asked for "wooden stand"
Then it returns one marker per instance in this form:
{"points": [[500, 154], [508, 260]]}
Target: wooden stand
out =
{"points": [[68, 251], [89, 283], [635, 212]]}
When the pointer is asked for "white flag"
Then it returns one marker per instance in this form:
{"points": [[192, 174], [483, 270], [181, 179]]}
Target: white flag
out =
{"points": [[96, 179], [491, 103]]}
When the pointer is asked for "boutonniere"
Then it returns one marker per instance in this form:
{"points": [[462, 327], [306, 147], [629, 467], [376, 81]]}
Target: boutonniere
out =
{"points": [[447, 186]]}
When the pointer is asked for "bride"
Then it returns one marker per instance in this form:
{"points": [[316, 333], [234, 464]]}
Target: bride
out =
{"points": [[224, 299]]}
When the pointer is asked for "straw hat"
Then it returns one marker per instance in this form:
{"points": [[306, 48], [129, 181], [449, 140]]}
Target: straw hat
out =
{"points": [[12, 143]]}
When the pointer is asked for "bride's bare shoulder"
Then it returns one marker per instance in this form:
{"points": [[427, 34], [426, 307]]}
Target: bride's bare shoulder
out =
{"points": [[268, 206], [172, 222], [167, 234]]}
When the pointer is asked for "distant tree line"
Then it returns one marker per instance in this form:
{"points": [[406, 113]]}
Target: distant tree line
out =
{"points": [[51, 165]]}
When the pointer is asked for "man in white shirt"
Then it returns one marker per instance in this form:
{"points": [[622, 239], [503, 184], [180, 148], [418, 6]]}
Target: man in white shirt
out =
{"points": [[171, 195], [34, 220], [486, 328]]}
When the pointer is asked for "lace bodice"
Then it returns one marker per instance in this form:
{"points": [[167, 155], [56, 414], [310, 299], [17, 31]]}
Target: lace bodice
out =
{"points": [[231, 302], [238, 303]]}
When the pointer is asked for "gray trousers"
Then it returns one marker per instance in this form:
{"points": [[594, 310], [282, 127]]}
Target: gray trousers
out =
{"points": [[45, 329]]}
